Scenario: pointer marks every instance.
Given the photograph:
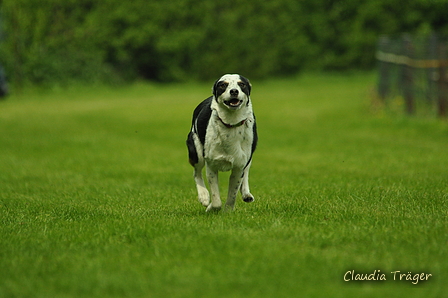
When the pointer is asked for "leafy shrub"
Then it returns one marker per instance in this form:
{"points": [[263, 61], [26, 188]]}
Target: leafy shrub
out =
{"points": [[57, 41]]}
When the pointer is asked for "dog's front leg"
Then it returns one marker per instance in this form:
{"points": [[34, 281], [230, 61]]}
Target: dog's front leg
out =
{"points": [[203, 195], [213, 181], [245, 191], [234, 185]]}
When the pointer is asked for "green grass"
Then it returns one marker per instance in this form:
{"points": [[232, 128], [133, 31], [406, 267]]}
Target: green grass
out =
{"points": [[97, 197]]}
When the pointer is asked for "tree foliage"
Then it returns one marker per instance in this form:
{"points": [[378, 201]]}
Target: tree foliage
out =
{"points": [[48, 41]]}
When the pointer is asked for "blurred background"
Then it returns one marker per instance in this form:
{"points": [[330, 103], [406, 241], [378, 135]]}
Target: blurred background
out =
{"points": [[57, 42]]}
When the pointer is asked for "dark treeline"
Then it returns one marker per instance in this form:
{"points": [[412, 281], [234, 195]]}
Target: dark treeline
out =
{"points": [[56, 41]]}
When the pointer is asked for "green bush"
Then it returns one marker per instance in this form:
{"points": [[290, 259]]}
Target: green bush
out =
{"points": [[57, 41], [50, 42]]}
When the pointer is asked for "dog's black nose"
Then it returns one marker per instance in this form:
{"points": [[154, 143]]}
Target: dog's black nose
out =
{"points": [[234, 92]]}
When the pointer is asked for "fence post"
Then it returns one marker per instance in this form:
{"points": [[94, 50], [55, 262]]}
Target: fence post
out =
{"points": [[432, 72], [442, 100], [384, 69], [407, 75]]}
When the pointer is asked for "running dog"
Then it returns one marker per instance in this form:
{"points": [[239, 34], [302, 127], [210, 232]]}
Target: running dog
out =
{"points": [[223, 138]]}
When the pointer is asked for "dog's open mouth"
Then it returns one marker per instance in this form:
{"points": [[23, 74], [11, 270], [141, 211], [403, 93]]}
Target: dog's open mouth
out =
{"points": [[233, 102]]}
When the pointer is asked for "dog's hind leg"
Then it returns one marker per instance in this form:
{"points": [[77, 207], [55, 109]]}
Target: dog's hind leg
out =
{"points": [[245, 191], [213, 182], [234, 185]]}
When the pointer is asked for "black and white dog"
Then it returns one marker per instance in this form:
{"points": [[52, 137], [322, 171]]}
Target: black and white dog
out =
{"points": [[223, 137]]}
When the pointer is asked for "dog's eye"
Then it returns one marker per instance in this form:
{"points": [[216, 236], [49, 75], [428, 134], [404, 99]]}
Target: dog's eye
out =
{"points": [[242, 85], [223, 86]]}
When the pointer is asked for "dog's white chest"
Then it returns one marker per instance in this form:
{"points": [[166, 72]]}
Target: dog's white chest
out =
{"points": [[226, 148]]}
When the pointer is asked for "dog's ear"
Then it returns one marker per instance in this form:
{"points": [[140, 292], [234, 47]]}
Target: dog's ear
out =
{"points": [[248, 84], [215, 88]]}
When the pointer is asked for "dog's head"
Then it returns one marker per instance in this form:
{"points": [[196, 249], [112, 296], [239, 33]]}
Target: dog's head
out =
{"points": [[232, 91]]}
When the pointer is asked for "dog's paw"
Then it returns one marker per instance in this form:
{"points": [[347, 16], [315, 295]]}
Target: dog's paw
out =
{"points": [[211, 208], [229, 208], [204, 197], [248, 198]]}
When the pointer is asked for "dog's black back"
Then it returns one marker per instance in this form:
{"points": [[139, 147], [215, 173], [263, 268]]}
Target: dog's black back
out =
{"points": [[201, 116]]}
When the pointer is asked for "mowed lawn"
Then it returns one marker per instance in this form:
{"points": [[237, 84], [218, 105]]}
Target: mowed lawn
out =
{"points": [[97, 198]]}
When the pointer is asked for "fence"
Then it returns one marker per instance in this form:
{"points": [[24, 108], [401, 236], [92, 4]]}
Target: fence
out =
{"points": [[3, 84], [413, 71]]}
